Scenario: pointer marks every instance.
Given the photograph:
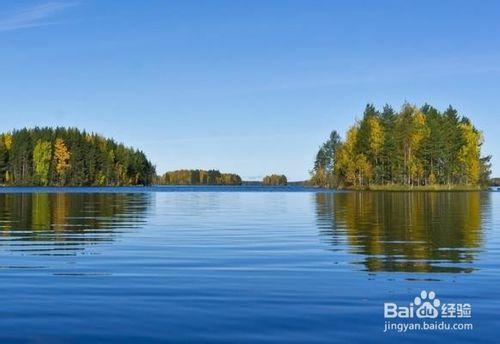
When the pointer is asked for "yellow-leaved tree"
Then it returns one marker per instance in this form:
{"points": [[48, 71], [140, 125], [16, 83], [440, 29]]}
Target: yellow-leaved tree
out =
{"points": [[7, 140], [346, 160], [61, 159], [412, 129], [470, 153]]}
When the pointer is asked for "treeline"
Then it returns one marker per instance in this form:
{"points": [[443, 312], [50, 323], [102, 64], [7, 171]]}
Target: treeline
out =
{"points": [[199, 177], [69, 157], [412, 147], [274, 179]]}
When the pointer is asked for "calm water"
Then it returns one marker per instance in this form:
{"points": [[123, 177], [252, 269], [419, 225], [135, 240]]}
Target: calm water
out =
{"points": [[241, 264]]}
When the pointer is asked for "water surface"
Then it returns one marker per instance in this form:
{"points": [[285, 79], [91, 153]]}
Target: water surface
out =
{"points": [[233, 264]]}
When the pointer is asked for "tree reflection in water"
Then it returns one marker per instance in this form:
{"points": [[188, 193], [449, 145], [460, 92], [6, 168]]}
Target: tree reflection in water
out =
{"points": [[65, 223], [406, 231]]}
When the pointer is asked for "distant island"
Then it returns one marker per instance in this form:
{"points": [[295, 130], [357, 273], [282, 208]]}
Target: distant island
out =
{"points": [[415, 148], [275, 179], [199, 177], [67, 156]]}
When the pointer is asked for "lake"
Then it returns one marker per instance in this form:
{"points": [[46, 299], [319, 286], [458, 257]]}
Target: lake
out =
{"points": [[241, 264]]}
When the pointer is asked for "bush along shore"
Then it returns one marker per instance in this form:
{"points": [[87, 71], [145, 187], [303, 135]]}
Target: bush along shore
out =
{"points": [[434, 187], [413, 149]]}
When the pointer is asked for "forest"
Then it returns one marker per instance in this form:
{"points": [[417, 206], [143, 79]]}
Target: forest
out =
{"points": [[199, 177], [68, 156], [275, 179], [415, 147]]}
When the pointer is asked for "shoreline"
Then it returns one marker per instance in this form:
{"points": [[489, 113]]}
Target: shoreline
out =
{"points": [[374, 188], [438, 188]]}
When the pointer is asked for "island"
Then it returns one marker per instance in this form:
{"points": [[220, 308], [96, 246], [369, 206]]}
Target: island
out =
{"points": [[69, 157], [199, 177], [413, 149], [275, 179]]}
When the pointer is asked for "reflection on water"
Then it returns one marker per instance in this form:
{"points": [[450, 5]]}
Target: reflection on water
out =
{"points": [[218, 264], [62, 223], [411, 232]]}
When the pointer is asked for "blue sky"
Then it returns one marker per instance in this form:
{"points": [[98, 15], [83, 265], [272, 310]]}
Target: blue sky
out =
{"points": [[252, 87]]}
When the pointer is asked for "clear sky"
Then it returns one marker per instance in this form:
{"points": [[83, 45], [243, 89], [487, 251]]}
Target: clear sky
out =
{"points": [[251, 87]]}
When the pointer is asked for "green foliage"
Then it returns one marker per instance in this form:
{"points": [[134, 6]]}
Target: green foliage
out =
{"points": [[4, 159], [275, 179], [42, 156], [415, 147], [199, 177], [326, 160], [67, 156]]}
